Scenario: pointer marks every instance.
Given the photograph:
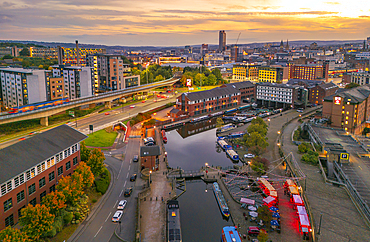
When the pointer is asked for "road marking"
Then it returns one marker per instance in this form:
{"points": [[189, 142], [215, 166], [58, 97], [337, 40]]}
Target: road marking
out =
{"points": [[121, 193], [130, 161], [124, 184], [120, 170], [360, 167], [98, 231], [129, 167], [115, 204], [127, 175], [108, 216]]}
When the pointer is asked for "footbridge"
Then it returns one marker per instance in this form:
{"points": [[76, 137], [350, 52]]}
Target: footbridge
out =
{"points": [[101, 97]]}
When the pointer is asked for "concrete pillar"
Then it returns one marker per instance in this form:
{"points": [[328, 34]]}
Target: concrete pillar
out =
{"points": [[44, 121], [108, 105]]}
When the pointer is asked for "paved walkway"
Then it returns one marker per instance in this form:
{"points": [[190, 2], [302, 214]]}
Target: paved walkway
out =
{"points": [[153, 209]]}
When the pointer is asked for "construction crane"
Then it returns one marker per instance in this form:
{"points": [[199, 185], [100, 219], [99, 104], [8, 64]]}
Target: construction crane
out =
{"points": [[237, 39]]}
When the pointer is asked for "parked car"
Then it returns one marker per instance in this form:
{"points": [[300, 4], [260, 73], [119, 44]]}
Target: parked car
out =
{"points": [[136, 158], [253, 231], [117, 216], [300, 110], [128, 192], [133, 177], [132, 106], [249, 156], [122, 204], [150, 144]]}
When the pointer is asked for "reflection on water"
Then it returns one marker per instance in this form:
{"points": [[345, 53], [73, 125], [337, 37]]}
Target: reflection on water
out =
{"points": [[201, 218]]}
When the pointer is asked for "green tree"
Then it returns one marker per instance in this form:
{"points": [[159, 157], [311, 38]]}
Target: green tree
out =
{"points": [[351, 85], [7, 57], [36, 221], [84, 152], [257, 128], [158, 78], [212, 80], [264, 214], [10, 234], [262, 236], [304, 147], [365, 131], [311, 157], [24, 52], [199, 79], [96, 162], [217, 73], [219, 122], [259, 121]]}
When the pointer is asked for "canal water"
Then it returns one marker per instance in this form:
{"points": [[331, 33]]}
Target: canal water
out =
{"points": [[190, 147]]}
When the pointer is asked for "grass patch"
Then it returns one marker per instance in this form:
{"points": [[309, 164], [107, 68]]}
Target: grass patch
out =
{"points": [[64, 234], [101, 138]]}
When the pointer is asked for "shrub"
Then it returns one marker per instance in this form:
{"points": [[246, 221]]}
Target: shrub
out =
{"points": [[52, 233], [93, 200], [311, 157], [68, 218], [58, 223], [304, 147], [102, 183], [77, 216]]}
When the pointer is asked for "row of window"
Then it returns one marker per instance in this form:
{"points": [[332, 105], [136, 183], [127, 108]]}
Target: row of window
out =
{"points": [[16, 181], [8, 204]]}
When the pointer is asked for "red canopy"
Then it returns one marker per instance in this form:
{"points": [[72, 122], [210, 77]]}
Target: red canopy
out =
{"points": [[297, 200], [247, 201]]}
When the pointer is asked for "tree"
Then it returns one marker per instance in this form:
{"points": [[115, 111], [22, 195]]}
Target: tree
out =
{"points": [[351, 85], [36, 221], [96, 162], [10, 234], [87, 175], [71, 187], [219, 122], [24, 52], [259, 121], [256, 127], [365, 131], [84, 152], [158, 78], [304, 147], [311, 157], [217, 73], [7, 57], [264, 214], [55, 201], [255, 139], [262, 236], [212, 80]]}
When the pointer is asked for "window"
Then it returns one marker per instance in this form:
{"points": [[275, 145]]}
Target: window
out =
{"points": [[3, 189], [33, 202], [68, 165], [52, 188], [43, 194], [32, 189], [16, 182], [42, 182], [9, 221], [60, 170], [51, 176], [57, 158], [20, 196], [9, 186], [75, 161], [8, 204], [65, 153]]}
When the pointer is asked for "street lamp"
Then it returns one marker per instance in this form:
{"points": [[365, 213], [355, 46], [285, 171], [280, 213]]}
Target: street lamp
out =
{"points": [[150, 174], [206, 169], [278, 144], [278, 132]]}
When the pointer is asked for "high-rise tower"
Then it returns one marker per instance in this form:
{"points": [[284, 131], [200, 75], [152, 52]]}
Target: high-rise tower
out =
{"points": [[222, 40]]}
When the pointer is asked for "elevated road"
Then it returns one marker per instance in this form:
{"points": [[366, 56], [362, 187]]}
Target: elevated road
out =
{"points": [[104, 97]]}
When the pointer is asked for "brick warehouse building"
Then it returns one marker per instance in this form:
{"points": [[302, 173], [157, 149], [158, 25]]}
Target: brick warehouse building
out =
{"points": [[348, 109], [30, 169], [225, 96]]}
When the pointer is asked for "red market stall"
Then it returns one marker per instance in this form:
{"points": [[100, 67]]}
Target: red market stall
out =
{"points": [[247, 201], [301, 210], [297, 200], [269, 201]]}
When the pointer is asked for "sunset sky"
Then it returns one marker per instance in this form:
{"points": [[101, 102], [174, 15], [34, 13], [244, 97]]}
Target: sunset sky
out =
{"points": [[186, 22]]}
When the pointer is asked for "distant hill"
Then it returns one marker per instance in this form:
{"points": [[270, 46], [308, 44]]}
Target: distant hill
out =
{"points": [[111, 49]]}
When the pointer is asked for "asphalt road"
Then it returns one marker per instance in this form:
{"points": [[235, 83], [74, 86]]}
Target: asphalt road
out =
{"points": [[100, 227]]}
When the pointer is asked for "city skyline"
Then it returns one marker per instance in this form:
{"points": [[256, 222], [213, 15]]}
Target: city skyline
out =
{"points": [[113, 22]]}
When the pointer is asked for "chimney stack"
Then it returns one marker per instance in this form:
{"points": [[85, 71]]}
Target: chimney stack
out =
{"points": [[60, 55], [78, 53]]}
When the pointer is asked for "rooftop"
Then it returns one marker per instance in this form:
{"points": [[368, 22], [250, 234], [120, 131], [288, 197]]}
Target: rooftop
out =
{"points": [[19, 157], [149, 150], [354, 95]]}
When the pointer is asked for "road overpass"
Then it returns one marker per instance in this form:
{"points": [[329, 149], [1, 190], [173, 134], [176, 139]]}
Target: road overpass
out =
{"points": [[103, 97]]}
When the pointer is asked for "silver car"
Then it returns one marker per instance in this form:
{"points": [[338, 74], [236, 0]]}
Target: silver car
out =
{"points": [[117, 216]]}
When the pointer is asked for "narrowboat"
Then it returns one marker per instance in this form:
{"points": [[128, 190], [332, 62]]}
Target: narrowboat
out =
{"points": [[230, 234], [233, 155], [221, 200]]}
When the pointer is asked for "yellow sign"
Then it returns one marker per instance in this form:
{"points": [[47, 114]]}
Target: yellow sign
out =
{"points": [[344, 156]]}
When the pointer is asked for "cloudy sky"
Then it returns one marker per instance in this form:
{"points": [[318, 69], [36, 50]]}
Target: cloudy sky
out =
{"points": [[178, 23]]}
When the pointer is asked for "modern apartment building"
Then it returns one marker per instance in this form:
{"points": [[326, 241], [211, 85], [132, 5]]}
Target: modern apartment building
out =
{"points": [[361, 78], [270, 74], [78, 81], [111, 72], [21, 86], [242, 72], [308, 71], [30, 169], [73, 56], [276, 95], [348, 109], [49, 53]]}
